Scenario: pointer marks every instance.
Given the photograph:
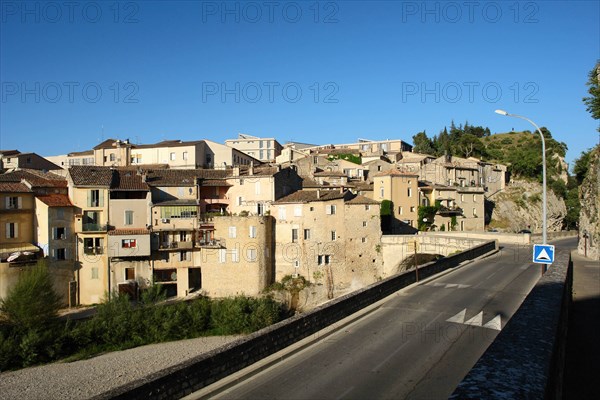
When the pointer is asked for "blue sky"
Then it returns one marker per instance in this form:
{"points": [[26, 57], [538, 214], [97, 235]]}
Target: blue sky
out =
{"points": [[316, 72]]}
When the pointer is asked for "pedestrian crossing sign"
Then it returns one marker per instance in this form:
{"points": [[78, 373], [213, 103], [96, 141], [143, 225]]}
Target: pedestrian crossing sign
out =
{"points": [[543, 253]]}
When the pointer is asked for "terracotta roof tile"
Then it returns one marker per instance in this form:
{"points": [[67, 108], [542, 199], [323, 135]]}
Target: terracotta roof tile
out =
{"points": [[183, 177], [14, 187], [84, 175], [305, 196], [362, 200], [35, 177], [395, 172], [128, 180], [55, 200]]}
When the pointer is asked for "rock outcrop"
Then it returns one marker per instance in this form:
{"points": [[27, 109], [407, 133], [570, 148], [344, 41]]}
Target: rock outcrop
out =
{"points": [[589, 216], [519, 206]]}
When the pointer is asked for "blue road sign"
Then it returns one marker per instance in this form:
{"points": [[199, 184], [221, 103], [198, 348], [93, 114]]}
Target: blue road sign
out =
{"points": [[543, 253]]}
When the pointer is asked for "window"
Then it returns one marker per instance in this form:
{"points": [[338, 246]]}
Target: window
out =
{"points": [[297, 211], [333, 235], [364, 224], [129, 274], [60, 254], [409, 192], [13, 203], [184, 256], [128, 217], [59, 233], [95, 273], [112, 157], [185, 155], [320, 260], [474, 198], [330, 210], [364, 240], [12, 230], [282, 213], [312, 209], [327, 259], [367, 207], [381, 192], [260, 209], [240, 200], [307, 234], [232, 232], [252, 231], [172, 156], [222, 255], [235, 256], [261, 155], [257, 187], [251, 255], [183, 236], [296, 264], [128, 243], [474, 212], [92, 246], [294, 235], [95, 198], [412, 209], [400, 210], [315, 160]]}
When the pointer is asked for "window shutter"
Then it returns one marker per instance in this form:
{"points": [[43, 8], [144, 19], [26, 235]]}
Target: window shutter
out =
{"points": [[89, 198], [6, 202], [16, 230], [101, 198], [222, 255], [7, 230], [328, 210], [235, 256], [19, 202]]}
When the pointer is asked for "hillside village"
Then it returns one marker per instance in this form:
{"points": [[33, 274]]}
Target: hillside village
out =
{"points": [[227, 219]]}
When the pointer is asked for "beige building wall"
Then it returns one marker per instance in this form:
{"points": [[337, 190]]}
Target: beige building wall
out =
{"points": [[345, 260], [263, 149], [403, 191], [244, 263], [22, 216], [140, 208], [190, 156]]}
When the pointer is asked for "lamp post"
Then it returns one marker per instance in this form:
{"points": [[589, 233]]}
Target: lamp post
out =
{"points": [[544, 204]]}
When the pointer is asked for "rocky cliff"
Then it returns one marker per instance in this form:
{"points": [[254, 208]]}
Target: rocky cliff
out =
{"points": [[589, 216], [519, 206]]}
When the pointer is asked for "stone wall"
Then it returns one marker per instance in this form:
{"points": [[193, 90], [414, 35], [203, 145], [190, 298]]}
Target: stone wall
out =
{"points": [[196, 373]]}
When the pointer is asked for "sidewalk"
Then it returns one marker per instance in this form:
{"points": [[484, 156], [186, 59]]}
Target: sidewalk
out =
{"points": [[583, 338]]}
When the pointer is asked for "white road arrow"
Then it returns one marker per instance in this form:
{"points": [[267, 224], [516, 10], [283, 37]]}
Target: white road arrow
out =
{"points": [[476, 320], [458, 318], [495, 323]]}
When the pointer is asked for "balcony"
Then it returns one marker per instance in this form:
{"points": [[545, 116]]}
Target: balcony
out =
{"points": [[182, 245], [93, 250], [211, 243], [91, 227], [453, 210]]}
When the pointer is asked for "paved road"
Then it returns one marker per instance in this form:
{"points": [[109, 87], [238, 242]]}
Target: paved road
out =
{"points": [[418, 344]]}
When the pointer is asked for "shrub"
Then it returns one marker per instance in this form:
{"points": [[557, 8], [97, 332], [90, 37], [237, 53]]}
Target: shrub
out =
{"points": [[32, 303]]}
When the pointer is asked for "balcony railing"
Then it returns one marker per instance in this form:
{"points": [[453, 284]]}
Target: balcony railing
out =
{"points": [[176, 245], [93, 250], [453, 210], [88, 227], [211, 243]]}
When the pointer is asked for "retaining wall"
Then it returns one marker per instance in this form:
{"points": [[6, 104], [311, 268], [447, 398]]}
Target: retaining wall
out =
{"points": [[526, 360], [194, 374]]}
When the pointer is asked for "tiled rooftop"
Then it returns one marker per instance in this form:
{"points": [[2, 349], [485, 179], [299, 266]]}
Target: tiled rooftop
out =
{"points": [[55, 200], [90, 175], [13, 187], [35, 177]]}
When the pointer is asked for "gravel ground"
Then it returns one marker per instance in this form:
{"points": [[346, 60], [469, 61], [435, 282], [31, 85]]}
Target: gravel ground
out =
{"points": [[88, 378]]}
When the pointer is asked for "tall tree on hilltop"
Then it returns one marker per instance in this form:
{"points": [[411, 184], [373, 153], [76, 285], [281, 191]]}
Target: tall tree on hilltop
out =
{"points": [[593, 102]]}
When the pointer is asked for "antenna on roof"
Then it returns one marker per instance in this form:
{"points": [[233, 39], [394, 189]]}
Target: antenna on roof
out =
{"points": [[102, 134]]}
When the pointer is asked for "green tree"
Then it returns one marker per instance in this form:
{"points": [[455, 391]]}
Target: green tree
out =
{"points": [[593, 101], [581, 165], [31, 304], [422, 144]]}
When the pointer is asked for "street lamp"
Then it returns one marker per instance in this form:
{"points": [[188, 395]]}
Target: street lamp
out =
{"points": [[545, 205]]}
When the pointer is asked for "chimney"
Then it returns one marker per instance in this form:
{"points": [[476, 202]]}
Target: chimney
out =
{"points": [[236, 171], [251, 169], [318, 194]]}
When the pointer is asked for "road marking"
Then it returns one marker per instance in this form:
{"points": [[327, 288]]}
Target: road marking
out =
{"points": [[495, 323], [458, 318], [476, 320], [448, 285], [341, 396]]}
